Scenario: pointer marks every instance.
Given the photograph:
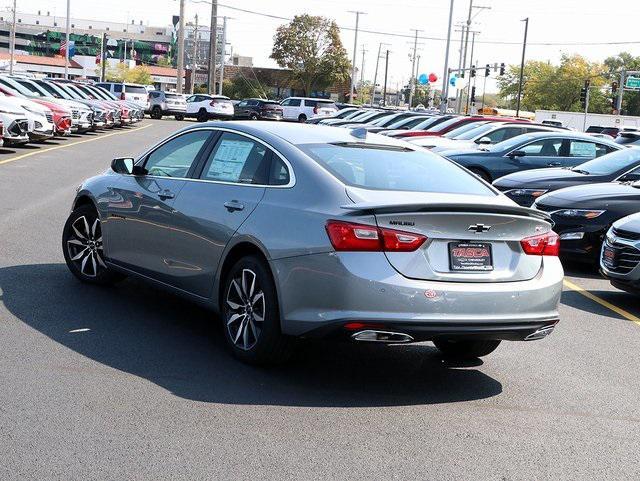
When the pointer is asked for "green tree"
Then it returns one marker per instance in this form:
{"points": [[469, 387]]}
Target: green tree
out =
{"points": [[122, 73], [613, 66], [164, 62], [311, 48], [242, 88]]}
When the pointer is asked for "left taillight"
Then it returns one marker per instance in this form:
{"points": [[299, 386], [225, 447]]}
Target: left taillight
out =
{"points": [[547, 244], [347, 236]]}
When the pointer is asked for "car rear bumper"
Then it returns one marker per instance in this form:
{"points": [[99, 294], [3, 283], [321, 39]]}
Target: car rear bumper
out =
{"points": [[320, 293]]}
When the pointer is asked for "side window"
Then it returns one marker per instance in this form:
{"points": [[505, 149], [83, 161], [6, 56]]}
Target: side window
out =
{"points": [[294, 102], [244, 103], [603, 149], [191, 98], [496, 136], [237, 159], [253, 103], [631, 176], [174, 158], [579, 148], [286, 103], [279, 174], [543, 148], [310, 103], [117, 88]]}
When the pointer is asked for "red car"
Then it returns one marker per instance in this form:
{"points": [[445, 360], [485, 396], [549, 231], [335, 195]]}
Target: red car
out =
{"points": [[454, 123]]}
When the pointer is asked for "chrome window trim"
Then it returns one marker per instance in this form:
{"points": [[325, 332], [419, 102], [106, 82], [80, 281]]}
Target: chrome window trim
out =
{"points": [[538, 140], [292, 175], [637, 167]]}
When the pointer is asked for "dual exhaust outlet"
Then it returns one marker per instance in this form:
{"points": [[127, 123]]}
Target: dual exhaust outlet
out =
{"points": [[371, 335]]}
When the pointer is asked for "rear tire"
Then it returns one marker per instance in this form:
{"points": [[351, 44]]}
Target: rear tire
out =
{"points": [[302, 118], [179, 117], [250, 314], [82, 247], [253, 117], [465, 349], [156, 113], [203, 116]]}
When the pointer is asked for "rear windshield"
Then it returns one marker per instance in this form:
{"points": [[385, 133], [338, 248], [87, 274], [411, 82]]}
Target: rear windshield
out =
{"points": [[429, 122], [135, 89], [471, 133], [172, 96], [454, 133], [610, 163], [627, 139], [382, 167], [407, 122]]}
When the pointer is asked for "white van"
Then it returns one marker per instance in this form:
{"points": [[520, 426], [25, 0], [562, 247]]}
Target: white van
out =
{"points": [[132, 92], [303, 108]]}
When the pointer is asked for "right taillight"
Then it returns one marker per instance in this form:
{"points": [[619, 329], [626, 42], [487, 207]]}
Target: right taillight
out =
{"points": [[547, 244], [347, 236], [122, 96]]}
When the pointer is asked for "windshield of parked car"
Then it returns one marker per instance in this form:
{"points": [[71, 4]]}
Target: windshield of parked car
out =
{"points": [[77, 91], [430, 122], [25, 88], [55, 90], [471, 132], [446, 124], [385, 167], [408, 122], [455, 133], [384, 119], [610, 163], [627, 139]]}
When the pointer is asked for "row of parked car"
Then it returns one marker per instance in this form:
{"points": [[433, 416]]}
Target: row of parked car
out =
{"points": [[589, 184], [33, 110]]}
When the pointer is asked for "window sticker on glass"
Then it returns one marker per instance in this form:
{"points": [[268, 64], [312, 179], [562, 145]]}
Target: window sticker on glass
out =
{"points": [[229, 160]]}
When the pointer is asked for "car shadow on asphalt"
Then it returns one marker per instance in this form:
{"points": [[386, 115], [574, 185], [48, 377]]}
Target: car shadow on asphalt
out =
{"points": [[623, 300], [179, 346]]}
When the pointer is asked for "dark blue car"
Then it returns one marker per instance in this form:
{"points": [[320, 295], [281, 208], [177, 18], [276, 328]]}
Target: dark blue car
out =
{"points": [[532, 151]]}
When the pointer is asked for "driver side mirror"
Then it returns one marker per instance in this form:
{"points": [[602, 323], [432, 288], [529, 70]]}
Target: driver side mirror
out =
{"points": [[517, 153], [484, 141], [122, 165]]}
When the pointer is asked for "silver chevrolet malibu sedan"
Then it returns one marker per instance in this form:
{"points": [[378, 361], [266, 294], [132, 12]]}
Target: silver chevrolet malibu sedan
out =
{"points": [[297, 231]]}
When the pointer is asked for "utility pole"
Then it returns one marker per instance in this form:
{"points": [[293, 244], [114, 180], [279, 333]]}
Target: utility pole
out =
{"points": [[463, 28], [224, 50], [375, 75], [444, 95], [524, 48], [386, 71], [466, 38], [362, 66], [355, 48], [623, 76], [194, 63], [66, 50], [180, 48], [413, 66], [103, 56], [213, 48], [13, 38], [415, 88], [587, 85]]}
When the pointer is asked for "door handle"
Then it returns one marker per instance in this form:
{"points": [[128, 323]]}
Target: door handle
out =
{"points": [[166, 194], [554, 164], [233, 205]]}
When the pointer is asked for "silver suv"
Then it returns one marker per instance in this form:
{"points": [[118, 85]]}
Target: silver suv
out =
{"points": [[166, 103]]}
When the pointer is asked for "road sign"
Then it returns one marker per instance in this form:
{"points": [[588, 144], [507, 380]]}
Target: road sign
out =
{"points": [[632, 83]]}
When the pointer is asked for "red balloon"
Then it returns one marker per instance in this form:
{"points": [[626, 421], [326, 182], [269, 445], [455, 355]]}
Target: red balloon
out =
{"points": [[433, 77]]}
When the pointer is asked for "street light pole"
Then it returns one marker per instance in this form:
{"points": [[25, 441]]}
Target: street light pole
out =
{"points": [[444, 95], [413, 66], [66, 50], [224, 50], [180, 49], [386, 71], [524, 48], [13, 38], [194, 64], [355, 52], [375, 75], [213, 38]]}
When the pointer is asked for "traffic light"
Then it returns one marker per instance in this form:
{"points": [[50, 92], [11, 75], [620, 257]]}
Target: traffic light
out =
{"points": [[473, 71], [473, 95], [614, 88], [583, 97], [487, 70], [502, 69]]}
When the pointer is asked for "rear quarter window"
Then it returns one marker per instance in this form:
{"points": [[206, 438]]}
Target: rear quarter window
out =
{"points": [[135, 89], [394, 168]]}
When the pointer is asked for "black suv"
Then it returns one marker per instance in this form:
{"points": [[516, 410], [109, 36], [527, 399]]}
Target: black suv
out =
{"points": [[257, 109]]}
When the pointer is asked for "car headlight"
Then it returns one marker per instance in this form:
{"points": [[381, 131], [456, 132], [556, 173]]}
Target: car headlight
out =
{"points": [[535, 193], [580, 213]]}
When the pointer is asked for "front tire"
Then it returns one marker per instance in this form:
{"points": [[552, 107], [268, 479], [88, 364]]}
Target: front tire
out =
{"points": [[465, 349], [302, 118], [156, 113], [179, 117], [83, 249], [250, 314], [253, 117]]}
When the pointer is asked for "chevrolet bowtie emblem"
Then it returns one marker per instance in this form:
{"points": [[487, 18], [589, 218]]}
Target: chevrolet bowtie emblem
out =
{"points": [[479, 228]]}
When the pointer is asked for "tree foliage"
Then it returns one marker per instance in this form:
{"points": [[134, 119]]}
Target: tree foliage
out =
{"points": [[557, 87], [311, 48], [122, 73], [613, 66], [242, 88]]}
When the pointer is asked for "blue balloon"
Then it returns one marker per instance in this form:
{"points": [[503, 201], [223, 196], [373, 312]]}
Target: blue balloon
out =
{"points": [[452, 80], [423, 79]]}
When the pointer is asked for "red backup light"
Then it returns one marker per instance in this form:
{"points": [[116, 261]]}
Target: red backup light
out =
{"points": [[357, 326], [547, 244], [347, 236], [315, 109]]}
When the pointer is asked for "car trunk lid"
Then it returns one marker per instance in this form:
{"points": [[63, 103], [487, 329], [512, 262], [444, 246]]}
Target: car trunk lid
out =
{"points": [[469, 238]]}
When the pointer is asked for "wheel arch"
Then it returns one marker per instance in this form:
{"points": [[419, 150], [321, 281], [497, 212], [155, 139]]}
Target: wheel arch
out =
{"points": [[82, 200]]}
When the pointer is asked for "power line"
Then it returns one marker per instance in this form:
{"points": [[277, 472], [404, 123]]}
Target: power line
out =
{"points": [[439, 39]]}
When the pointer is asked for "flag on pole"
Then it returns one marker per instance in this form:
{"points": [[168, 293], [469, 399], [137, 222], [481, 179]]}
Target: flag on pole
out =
{"points": [[72, 48]]}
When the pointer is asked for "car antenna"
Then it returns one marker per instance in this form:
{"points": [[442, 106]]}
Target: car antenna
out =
{"points": [[359, 133]]}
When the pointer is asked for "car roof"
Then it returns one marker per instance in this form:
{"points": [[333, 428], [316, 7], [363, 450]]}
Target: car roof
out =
{"points": [[311, 98], [296, 133], [567, 134]]}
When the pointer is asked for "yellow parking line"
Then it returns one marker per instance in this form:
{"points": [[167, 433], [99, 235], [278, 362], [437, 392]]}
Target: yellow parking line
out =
{"points": [[627, 315], [41, 151]]}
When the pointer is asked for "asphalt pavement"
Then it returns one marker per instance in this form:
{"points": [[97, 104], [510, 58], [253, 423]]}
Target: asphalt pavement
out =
{"points": [[130, 383]]}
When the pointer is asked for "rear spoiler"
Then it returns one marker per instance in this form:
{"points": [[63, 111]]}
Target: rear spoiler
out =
{"points": [[373, 208]]}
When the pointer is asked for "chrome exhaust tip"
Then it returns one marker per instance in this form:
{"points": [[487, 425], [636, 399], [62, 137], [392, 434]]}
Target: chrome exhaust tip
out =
{"points": [[540, 333], [370, 335]]}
